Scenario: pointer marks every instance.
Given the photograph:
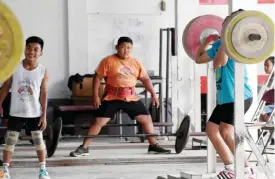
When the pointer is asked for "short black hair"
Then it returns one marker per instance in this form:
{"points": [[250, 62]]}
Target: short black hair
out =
{"points": [[238, 10], [271, 58], [124, 39], [35, 39]]}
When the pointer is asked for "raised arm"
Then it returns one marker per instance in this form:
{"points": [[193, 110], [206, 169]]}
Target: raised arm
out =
{"points": [[202, 56]]}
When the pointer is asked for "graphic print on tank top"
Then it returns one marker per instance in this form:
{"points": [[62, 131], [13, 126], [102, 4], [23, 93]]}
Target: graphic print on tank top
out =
{"points": [[25, 91]]}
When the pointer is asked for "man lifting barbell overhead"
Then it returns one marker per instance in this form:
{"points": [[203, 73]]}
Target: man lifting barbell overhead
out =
{"points": [[28, 104], [220, 127], [121, 72]]}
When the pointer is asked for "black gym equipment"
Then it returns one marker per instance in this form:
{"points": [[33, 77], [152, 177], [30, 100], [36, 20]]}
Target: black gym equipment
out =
{"points": [[52, 135]]}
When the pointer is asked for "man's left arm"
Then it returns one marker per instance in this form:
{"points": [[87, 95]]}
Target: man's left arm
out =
{"points": [[44, 94], [146, 81]]}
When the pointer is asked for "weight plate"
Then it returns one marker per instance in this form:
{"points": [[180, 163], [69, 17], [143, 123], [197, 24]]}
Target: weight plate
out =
{"points": [[182, 134], [11, 42], [240, 40], [56, 135], [198, 30], [235, 34]]}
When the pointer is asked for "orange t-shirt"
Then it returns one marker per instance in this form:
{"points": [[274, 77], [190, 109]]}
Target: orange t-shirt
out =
{"points": [[121, 73]]}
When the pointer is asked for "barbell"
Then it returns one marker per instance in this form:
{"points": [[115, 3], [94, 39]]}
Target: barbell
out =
{"points": [[248, 36], [52, 135]]}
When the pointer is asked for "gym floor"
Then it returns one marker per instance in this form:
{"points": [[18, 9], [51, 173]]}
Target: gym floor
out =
{"points": [[112, 159]]}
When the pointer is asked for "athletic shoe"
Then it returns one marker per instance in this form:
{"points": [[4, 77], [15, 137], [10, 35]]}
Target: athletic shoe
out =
{"points": [[43, 174], [156, 149], [5, 174], [80, 151], [225, 174]]}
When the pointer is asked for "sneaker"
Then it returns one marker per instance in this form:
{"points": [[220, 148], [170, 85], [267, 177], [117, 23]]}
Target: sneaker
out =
{"points": [[156, 149], [250, 175], [43, 174], [225, 174], [80, 151], [5, 174]]}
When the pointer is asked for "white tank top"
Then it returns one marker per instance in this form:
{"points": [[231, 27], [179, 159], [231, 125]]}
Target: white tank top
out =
{"points": [[25, 92]]}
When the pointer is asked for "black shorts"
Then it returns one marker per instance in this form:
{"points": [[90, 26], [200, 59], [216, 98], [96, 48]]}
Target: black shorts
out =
{"points": [[17, 124], [225, 112], [108, 109]]}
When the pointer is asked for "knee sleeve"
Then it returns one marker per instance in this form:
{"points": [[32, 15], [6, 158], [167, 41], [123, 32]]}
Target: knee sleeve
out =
{"points": [[37, 137], [11, 140]]}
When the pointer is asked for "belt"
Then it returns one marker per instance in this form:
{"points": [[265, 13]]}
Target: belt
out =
{"points": [[120, 91]]}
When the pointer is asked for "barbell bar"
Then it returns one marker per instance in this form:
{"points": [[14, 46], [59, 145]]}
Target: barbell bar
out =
{"points": [[253, 37], [182, 135]]}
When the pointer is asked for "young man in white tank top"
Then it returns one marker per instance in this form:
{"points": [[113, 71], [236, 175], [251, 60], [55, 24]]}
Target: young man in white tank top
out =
{"points": [[28, 86]]}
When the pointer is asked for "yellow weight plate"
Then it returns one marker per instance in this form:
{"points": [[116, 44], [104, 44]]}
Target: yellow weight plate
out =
{"points": [[227, 34], [11, 42]]}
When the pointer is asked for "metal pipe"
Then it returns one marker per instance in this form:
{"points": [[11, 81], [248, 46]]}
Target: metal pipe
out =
{"points": [[160, 76], [28, 137], [112, 125], [137, 135], [167, 74], [160, 52], [173, 41]]}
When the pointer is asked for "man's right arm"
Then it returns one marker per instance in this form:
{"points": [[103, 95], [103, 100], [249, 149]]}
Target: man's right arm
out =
{"points": [[5, 90], [100, 72], [202, 55], [96, 85]]}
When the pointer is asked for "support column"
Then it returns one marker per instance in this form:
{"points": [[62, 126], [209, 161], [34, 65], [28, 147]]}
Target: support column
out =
{"points": [[238, 109], [211, 103]]}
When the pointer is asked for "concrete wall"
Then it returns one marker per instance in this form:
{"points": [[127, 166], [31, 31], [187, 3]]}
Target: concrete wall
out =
{"points": [[47, 19]]}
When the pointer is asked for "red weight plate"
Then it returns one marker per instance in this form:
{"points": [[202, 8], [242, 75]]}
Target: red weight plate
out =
{"points": [[194, 29]]}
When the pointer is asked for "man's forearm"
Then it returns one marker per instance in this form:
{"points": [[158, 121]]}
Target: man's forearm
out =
{"points": [[96, 84], [3, 94], [149, 87], [43, 102], [203, 47]]}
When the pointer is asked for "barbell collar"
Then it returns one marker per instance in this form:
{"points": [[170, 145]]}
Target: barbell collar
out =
{"points": [[253, 37]]}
